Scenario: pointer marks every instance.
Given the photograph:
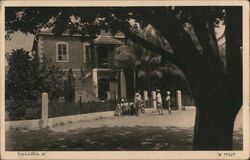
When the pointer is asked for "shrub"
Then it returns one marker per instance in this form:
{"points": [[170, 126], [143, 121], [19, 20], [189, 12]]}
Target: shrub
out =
{"points": [[25, 80], [21, 76], [28, 109], [22, 109], [50, 79]]}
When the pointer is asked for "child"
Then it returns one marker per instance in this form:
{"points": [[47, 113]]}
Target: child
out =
{"points": [[137, 97], [138, 101], [159, 102], [123, 107]]}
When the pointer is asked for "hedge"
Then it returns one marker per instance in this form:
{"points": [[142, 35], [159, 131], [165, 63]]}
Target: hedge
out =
{"points": [[64, 109], [22, 110], [27, 109]]}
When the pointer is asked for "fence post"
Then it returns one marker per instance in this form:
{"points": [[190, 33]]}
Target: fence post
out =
{"points": [[145, 97], [154, 99], [95, 82], [45, 110], [178, 98], [123, 85]]}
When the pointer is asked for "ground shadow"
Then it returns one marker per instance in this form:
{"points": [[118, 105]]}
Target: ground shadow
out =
{"points": [[138, 138]]}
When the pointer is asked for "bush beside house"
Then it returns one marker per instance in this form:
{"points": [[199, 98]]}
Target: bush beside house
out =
{"points": [[21, 92], [22, 109], [26, 79]]}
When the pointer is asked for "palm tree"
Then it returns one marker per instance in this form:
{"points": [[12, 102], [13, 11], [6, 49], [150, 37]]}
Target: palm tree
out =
{"points": [[146, 66], [152, 68], [148, 70], [126, 60]]}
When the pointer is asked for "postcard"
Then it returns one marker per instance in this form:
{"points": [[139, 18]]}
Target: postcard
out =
{"points": [[124, 79]]}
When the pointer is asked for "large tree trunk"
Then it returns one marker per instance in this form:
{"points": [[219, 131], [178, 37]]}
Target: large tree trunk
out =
{"points": [[215, 118], [215, 113], [214, 128], [216, 85]]}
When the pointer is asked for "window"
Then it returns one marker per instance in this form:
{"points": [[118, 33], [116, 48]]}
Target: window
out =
{"points": [[62, 54], [86, 52]]}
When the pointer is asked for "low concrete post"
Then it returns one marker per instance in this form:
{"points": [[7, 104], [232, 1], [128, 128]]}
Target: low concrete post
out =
{"points": [[108, 96], [123, 85], [116, 98], [154, 98], [145, 98], [45, 111], [178, 99], [95, 82]]}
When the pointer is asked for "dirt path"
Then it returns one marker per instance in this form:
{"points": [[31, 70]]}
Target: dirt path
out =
{"points": [[147, 132], [183, 119], [178, 119]]}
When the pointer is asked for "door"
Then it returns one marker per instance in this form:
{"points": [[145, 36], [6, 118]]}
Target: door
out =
{"points": [[103, 87]]}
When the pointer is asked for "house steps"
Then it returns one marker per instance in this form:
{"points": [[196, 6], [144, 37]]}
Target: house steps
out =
{"points": [[85, 86]]}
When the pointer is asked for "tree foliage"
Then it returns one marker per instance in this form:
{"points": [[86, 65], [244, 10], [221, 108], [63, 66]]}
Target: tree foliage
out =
{"points": [[50, 79], [21, 76], [26, 80]]}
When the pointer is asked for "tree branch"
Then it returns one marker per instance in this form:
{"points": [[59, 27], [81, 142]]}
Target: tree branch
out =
{"points": [[148, 45], [169, 26], [204, 30]]}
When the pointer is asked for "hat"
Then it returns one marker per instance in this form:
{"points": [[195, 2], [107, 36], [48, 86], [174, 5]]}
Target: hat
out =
{"points": [[122, 100], [168, 92], [137, 94], [157, 90]]}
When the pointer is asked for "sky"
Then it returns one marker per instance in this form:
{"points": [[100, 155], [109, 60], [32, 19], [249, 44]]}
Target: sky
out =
{"points": [[19, 40]]}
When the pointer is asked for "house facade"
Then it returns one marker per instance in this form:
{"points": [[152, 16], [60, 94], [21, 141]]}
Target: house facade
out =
{"points": [[92, 63]]}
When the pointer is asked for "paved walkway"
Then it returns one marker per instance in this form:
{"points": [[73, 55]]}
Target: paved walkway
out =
{"points": [[147, 132]]}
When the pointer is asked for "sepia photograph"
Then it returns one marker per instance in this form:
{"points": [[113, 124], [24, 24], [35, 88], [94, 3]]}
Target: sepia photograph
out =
{"points": [[132, 81]]}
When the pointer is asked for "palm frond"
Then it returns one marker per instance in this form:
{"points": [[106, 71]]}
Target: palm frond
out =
{"points": [[124, 55], [172, 70], [156, 73], [141, 73], [156, 60]]}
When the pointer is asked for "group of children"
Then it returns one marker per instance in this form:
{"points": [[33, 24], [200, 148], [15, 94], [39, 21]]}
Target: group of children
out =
{"points": [[130, 108]]}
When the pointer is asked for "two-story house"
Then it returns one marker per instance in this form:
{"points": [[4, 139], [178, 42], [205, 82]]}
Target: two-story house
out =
{"points": [[95, 59]]}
